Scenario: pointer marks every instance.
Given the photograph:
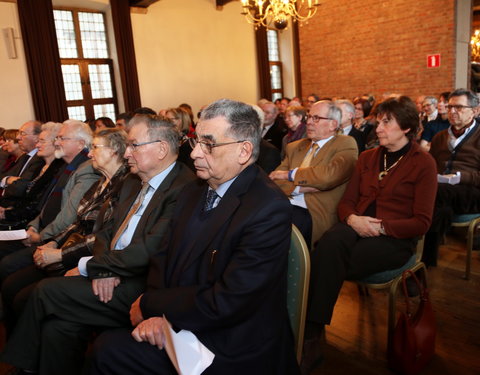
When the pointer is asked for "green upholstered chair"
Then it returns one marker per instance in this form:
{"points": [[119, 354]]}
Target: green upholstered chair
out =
{"points": [[297, 287], [391, 279], [471, 221]]}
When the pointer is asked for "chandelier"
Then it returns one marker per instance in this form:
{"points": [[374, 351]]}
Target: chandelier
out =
{"points": [[276, 12], [475, 44]]}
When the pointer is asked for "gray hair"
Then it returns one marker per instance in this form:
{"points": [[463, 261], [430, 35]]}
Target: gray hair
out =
{"points": [[80, 131], [114, 138], [472, 99], [349, 107], [159, 129], [52, 127], [244, 121], [432, 100], [334, 112]]}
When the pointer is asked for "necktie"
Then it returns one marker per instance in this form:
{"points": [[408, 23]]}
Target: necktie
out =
{"points": [[309, 157], [135, 206], [211, 197]]}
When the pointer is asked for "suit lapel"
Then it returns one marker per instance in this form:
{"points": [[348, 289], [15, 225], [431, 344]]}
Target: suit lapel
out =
{"points": [[196, 247]]}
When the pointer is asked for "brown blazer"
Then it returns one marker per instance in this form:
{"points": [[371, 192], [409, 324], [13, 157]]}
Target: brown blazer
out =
{"points": [[329, 172]]}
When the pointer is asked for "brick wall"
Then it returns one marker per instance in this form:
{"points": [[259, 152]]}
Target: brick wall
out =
{"points": [[353, 47]]}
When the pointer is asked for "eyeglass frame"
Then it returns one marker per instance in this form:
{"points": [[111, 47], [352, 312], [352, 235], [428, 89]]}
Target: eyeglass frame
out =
{"points": [[209, 146], [316, 119], [60, 138], [457, 107], [134, 146], [94, 147]]}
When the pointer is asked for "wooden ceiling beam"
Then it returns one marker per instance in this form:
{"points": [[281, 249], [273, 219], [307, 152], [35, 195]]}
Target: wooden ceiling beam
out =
{"points": [[142, 3]]}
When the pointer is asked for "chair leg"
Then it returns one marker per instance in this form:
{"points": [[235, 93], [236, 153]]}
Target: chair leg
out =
{"points": [[392, 309], [470, 234]]}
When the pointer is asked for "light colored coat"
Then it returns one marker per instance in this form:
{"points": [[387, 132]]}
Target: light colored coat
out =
{"points": [[329, 172]]}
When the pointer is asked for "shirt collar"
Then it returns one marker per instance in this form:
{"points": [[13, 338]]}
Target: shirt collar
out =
{"points": [[156, 180], [222, 188], [33, 152]]}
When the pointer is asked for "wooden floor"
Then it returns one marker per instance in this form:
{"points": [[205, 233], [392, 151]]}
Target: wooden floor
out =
{"points": [[356, 339]]}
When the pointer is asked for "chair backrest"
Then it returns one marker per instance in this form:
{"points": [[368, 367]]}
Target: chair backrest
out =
{"points": [[297, 286]]}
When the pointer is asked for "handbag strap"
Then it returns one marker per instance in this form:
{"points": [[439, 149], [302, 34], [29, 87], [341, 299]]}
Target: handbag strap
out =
{"points": [[405, 291]]}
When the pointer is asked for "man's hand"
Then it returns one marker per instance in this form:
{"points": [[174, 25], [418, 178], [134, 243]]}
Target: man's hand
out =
{"points": [[32, 237], [12, 179], [136, 316], [103, 288], [150, 330], [73, 272], [365, 226], [278, 175], [44, 256]]}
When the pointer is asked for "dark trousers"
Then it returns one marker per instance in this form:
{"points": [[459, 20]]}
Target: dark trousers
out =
{"points": [[116, 353], [16, 290], [51, 335], [303, 221], [341, 254], [450, 200], [21, 258]]}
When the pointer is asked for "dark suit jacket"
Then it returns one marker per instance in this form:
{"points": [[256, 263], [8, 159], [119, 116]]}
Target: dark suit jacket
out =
{"points": [[359, 138], [152, 227], [275, 134], [19, 187], [227, 284], [269, 157]]}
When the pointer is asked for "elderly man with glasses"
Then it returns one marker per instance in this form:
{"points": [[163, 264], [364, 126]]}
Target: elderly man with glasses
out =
{"points": [[53, 332], [28, 166], [315, 171], [222, 273], [58, 204], [456, 152]]}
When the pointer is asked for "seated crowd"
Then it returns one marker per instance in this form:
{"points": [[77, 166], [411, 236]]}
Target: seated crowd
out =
{"points": [[156, 222]]}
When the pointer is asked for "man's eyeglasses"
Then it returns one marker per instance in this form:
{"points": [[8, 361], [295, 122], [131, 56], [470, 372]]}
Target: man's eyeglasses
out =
{"points": [[207, 147], [134, 146], [24, 134], [315, 119], [61, 139], [98, 146], [457, 107]]}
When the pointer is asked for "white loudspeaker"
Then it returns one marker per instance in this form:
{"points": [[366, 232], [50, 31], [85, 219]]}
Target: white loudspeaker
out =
{"points": [[10, 42]]}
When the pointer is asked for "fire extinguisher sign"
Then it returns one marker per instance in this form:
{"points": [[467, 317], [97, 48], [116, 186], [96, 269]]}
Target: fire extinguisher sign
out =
{"points": [[433, 61]]}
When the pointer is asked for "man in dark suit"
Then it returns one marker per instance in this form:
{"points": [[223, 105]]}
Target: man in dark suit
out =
{"points": [[225, 281], [273, 127], [346, 124], [28, 165], [52, 334]]}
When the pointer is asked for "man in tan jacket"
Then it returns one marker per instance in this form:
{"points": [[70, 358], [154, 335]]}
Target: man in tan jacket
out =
{"points": [[316, 170]]}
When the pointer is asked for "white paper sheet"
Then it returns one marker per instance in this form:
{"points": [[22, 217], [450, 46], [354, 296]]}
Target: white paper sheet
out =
{"points": [[190, 355], [451, 179], [11, 235]]}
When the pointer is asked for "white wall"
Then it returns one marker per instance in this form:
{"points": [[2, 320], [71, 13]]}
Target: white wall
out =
{"points": [[187, 51], [16, 105]]}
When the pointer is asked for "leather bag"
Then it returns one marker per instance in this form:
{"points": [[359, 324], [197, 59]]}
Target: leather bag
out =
{"points": [[413, 342]]}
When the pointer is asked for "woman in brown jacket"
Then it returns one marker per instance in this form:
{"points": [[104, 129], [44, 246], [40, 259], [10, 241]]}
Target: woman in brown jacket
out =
{"points": [[387, 205]]}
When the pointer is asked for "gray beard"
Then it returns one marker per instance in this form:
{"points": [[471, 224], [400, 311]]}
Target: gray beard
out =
{"points": [[59, 153]]}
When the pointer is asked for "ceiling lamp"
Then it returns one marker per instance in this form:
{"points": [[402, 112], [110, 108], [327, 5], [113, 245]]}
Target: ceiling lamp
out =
{"points": [[475, 44], [276, 12]]}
